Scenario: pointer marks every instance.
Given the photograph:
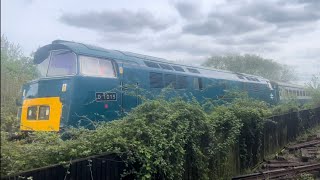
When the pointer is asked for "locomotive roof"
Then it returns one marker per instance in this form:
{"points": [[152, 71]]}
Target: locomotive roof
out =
{"points": [[86, 49]]}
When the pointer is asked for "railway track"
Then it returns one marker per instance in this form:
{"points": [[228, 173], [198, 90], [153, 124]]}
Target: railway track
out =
{"points": [[280, 173], [295, 159]]}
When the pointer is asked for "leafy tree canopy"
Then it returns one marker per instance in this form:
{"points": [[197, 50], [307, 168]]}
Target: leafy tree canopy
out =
{"points": [[16, 69], [252, 64], [314, 89]]}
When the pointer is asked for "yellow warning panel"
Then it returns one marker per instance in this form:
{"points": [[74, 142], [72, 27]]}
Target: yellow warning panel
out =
{"points": [[41, 114]]}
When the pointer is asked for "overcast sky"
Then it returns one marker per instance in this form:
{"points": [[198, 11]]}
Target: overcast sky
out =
{"points": [[185, 31]]}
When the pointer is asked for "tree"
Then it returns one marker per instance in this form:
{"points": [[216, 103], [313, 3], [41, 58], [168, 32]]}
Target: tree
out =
{"points": [[16, 69], [252, 64], [314, 89]]}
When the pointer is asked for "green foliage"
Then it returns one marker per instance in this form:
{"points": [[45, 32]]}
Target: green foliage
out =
{"points": [[158, 138], [313, 88], [291, 105], [210, 104], [9, 121], [252, 114], [16, 69], [226, 127], [305, 176], [252, 64]]}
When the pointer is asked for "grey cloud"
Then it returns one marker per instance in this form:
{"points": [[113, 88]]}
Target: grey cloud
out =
{"points": [[251, 40], [122, 38], [258, 49], [281, 14], [310, 54], [187, 10], [262, 37], [115, 21], [188, 45], [237, 23], [217, 24], [178, 46], [309, 4]]}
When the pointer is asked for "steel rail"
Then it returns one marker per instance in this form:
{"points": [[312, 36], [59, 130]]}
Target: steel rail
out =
{"points": [[279, 172]]}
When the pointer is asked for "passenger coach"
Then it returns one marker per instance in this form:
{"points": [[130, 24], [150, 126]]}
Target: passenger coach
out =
{"points": [[80, 83]]}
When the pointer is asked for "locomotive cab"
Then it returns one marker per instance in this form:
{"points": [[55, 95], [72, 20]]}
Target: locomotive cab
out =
{"points": [[61, 93]]}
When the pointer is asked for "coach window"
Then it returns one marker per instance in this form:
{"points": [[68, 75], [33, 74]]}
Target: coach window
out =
{"points": [[97, 67]]}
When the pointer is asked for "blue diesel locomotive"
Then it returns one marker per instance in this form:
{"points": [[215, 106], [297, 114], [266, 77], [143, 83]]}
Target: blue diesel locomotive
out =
{"points": [[80, 81]]}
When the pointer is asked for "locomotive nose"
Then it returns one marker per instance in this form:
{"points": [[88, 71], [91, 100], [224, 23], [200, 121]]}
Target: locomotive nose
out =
{"points": [[41, 114]]}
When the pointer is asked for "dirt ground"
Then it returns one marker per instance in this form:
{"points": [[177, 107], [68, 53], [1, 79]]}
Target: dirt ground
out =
{"points": [[297, 157]]}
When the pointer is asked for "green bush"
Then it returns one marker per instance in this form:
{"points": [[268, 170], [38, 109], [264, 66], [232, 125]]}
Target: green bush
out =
{"points": [[159, 136], [252, 114]]}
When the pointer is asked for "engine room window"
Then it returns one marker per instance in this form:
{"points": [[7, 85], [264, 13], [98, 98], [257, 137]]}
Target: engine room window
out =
{"points": [[62, 63], [92, 66]]}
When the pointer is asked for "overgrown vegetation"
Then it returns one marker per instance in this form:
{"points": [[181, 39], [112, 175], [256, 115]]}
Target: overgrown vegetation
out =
{"points": [[159, 135], [16, 69]]}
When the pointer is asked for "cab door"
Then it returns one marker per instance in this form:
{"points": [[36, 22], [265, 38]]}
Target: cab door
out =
{"points": [[131, 86]]}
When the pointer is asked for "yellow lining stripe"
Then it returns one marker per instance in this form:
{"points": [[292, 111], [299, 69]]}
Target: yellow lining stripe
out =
{"points": [[53, 124]]}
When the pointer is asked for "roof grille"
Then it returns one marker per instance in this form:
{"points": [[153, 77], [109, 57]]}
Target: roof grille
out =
{"points": [[151, 64], [165, 66], [193, 70], [178, 68]]}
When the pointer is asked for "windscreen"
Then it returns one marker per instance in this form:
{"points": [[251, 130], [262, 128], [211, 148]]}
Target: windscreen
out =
{"points": [[62, 63], [43, 67], [92, 66]]}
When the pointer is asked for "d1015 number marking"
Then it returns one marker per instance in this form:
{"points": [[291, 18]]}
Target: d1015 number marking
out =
{"points": [[104, 96]]}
